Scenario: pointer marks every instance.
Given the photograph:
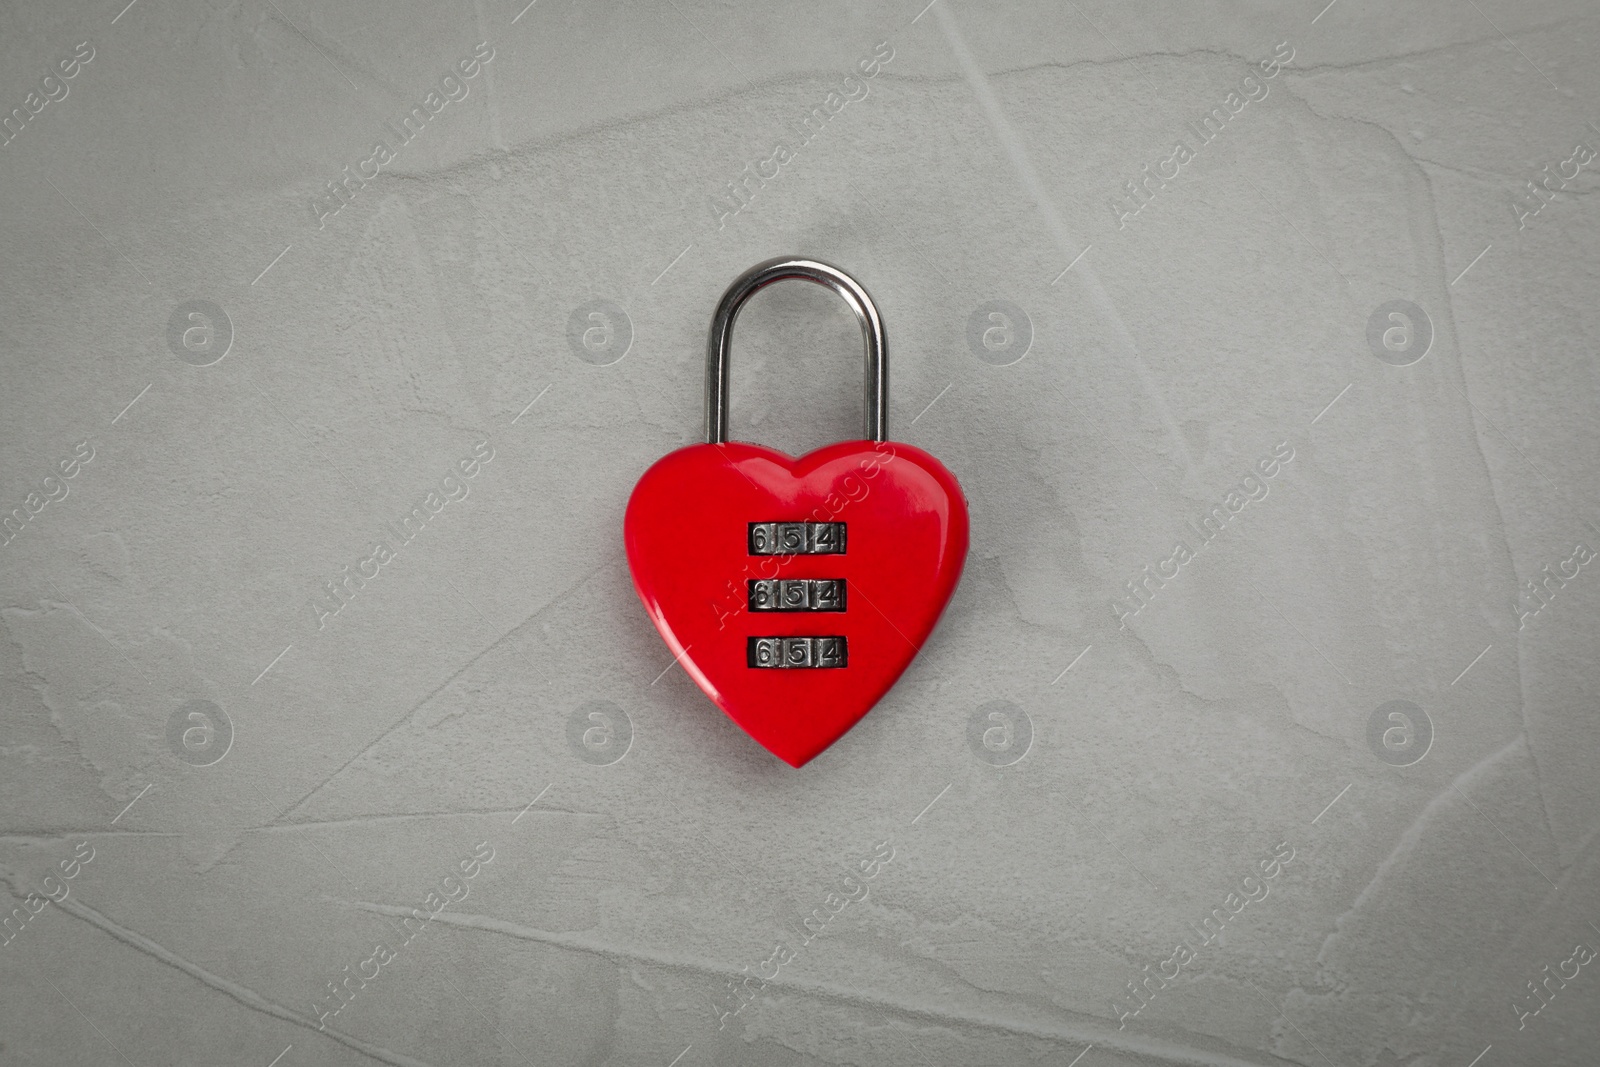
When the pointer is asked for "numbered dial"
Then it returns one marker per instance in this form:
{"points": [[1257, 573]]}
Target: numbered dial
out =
{"points": [[797, 539], [796, 652], [797, 594]]}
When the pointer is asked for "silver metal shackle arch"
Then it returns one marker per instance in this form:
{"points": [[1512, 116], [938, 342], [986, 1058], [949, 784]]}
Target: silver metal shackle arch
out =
{"points": [[875, 388]]}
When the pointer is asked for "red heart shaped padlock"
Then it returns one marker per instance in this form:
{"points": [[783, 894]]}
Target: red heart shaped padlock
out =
{"points": [[796, 591]]}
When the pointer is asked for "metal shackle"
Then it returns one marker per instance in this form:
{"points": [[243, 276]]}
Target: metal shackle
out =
{"points": [[875, 389]]}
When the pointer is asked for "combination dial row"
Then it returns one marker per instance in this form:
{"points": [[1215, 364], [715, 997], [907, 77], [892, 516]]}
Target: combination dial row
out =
{"points": [[797, 594]]}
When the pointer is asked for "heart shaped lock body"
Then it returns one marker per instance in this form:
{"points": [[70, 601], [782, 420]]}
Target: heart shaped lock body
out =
{"points": [[703, 534]]}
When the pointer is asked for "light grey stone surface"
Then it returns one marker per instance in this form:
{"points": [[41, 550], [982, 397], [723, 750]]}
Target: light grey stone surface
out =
{"points": [[249, 850]]}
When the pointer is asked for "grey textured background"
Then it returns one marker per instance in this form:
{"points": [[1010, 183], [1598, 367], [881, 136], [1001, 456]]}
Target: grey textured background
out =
{"points": [[369, 757]]}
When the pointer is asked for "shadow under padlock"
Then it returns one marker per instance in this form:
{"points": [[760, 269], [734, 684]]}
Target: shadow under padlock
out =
{"points": [[796, 591]]}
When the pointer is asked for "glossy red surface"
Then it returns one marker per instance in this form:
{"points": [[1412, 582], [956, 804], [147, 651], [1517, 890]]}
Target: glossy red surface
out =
{"points": [[686, 532]]}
